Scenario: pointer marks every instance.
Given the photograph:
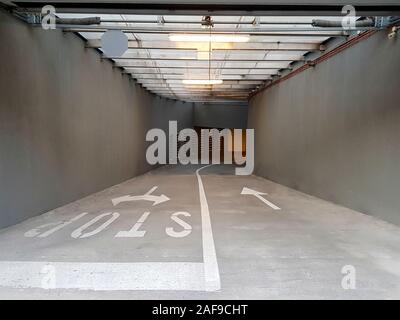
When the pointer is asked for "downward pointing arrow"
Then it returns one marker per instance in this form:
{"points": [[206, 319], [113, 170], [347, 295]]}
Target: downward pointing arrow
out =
{"points": [[147, 197], [258, 194]]}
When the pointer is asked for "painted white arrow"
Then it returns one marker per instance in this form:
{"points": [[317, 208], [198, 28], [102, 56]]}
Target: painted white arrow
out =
{"points": [[258, 195], [147, 197]]}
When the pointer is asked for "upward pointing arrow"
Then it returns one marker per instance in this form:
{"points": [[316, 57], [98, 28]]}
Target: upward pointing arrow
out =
{"points": [[147, 197], [258, 194]]}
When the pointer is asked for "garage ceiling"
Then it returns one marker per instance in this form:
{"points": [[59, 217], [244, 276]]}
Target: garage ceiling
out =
{"points": [[244, 51], [232, 56]]}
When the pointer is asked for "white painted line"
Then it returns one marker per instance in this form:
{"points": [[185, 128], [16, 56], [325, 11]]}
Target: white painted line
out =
{"points": [[110, 276], [134, 232], [79, 233], [58, 226], [147, 197], [258, 195], [151, 190], [211, 271], [104, 276]]}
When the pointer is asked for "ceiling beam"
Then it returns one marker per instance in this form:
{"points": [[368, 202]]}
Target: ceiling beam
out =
{"points": [[251, 45], [254, 32], [178, 81], [215, 7], [233, 65], [165, 72], [219, 78], [199, 21], [204, 60]]}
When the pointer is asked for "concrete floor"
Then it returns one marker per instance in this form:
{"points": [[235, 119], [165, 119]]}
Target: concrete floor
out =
{"points": [[251, 252]]}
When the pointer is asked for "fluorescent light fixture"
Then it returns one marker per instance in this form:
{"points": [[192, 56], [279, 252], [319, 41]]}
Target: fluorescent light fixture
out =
{"points": [[209, 82], [209, 38]]}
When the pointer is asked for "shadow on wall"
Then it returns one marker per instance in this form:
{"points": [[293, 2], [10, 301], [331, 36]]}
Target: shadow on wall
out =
{"points": [[70, 124], [333, 131]]}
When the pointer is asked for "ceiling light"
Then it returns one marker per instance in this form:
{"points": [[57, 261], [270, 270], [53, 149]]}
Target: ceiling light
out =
{"points": [[209, 82], [209, 38]]}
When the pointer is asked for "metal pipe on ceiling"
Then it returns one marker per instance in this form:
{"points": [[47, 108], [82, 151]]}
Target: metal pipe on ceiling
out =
{"points": [[391, 7], [199, 21], [78, 21], [368, 23], [322, 32]]}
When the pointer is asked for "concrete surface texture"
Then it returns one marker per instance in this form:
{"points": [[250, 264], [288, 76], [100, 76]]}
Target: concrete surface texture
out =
{"points": [[220, 115], [197, 235], [70, 123], [333, 131]]}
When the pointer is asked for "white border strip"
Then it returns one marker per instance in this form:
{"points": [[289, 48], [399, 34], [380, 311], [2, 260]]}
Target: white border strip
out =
{"points": [[103, 276], [191, 276]]}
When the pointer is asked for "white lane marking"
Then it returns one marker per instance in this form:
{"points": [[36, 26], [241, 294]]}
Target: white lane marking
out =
{"points": [[211, 271], [134, 232], [49, 277], [151, 190], [258, 195], [105, 276], [194, 276], [187, 228], [147, 197], [59, 225], [78, 233]]}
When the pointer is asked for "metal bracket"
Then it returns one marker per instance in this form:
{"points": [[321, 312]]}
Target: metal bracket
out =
{"points": [[207, 22], [393, 32], [32, 18], [311, 63], [160, 20], [382, 22], [256, 22]]}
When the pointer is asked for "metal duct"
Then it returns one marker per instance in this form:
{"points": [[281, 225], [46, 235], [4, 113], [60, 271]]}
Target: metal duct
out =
{"points": [[79, 21], [335, 24]]}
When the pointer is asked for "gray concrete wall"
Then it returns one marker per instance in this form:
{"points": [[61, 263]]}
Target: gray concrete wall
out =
{"points": [[70, 124], [220, 115], [334, 131]]}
